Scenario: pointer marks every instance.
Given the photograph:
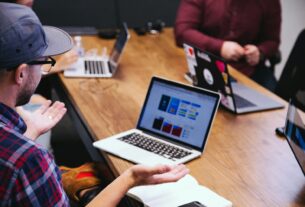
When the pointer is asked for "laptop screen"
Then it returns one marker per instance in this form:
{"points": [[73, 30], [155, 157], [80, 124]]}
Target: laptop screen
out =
{"points": [[119, 45], [178, 112], [295, 133]]}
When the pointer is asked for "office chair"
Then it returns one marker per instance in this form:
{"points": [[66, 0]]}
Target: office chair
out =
{"points": [[291, 83]]}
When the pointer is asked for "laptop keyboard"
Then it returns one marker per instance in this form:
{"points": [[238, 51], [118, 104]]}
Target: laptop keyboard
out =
{"points": [[95, 67], [157, 147], [241, 102]]}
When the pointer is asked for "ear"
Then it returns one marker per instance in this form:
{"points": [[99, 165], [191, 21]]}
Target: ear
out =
{"points": [[20, 73]]}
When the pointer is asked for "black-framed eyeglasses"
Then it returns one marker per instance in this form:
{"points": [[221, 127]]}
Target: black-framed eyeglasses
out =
{"points": [[49, 63]]}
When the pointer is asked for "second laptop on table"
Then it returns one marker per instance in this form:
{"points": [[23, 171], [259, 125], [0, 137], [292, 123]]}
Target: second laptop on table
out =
{"points": [[100, 66], [211, 72], [173, 126]]}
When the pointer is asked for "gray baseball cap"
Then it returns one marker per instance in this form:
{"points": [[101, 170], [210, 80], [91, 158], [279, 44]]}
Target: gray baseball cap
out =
{"points": [[23, 38]]}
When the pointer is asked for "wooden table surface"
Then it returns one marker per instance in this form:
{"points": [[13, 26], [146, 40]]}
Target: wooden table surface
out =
{"points": [[244, 160]]}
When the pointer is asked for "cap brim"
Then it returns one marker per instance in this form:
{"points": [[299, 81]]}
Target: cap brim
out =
{"points": [[58, 41]]}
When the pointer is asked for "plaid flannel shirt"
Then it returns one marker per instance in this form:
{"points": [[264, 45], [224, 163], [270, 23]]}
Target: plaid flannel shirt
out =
{"points": [[28, 173]]}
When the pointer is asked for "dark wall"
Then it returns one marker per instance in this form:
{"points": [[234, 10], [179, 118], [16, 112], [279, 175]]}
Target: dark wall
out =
{"points": [[105, 13], [97, 13], [139, 12]]}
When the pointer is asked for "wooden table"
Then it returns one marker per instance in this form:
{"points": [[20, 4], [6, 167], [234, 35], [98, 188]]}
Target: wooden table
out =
{"points": [[244, 160]]}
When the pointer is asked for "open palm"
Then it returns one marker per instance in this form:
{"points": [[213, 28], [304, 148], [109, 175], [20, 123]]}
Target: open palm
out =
{"points": [[146, 175], [43, 119]]}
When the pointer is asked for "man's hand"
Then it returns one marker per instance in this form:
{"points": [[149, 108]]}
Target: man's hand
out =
{"points": [[232, 51], [64, 61], [146, 175], [134, 176], [43, 119], [252, 54]]}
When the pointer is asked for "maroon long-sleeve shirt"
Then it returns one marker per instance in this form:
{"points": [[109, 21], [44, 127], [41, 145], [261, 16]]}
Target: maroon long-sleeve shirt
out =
{"points": [[208, 23]]}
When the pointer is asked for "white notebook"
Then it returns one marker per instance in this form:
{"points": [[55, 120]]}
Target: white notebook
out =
{"points": [[176, 194]]}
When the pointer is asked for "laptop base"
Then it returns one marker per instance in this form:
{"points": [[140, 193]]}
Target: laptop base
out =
{"points": [[97, 67], [137, 155], [260, 102]]}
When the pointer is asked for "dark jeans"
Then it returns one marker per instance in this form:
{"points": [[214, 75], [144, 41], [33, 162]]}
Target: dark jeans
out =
{"points": [[265, 77]]}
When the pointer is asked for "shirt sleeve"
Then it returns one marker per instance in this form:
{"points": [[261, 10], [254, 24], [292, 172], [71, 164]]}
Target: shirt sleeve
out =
{"points": [[271, 28], [38, 182], [188, 21]]}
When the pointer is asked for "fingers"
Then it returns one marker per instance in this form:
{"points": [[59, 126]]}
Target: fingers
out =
{"points": [[72, 57], [44, 107], [251, 61], [147, 175], [177, 169], [58, 116], [252, 54], [71, 54], [55, 109], [68, 58], [238, 52], [150, 170], [232, 51], [251, 50], [173, 175], [235, 57], [159, 169]]}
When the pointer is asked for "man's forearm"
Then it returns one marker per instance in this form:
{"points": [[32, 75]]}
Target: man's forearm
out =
{"points": [[114, 192]]}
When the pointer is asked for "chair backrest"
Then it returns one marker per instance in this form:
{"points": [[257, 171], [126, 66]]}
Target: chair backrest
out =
{"points": [[292, 81]]}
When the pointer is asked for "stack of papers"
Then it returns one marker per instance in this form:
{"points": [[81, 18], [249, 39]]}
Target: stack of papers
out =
{"points": [[184, 191]]}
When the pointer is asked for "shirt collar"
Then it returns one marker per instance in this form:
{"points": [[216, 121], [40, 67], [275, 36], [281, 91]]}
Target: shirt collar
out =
{"points": [[11, 119]]}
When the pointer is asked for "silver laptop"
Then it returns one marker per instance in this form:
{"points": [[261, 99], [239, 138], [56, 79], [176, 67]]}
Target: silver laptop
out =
{"points": [[295, 132], [209, 71], [173, 127], [100, 66]]}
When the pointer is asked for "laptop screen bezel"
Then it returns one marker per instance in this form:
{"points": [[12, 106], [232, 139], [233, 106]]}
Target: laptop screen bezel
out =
{"points": [[187, 87], [290, 107], [123, 31]]}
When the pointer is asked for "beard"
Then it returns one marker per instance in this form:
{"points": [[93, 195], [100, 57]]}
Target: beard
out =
{"points": [[24, 97], [28, 90]]}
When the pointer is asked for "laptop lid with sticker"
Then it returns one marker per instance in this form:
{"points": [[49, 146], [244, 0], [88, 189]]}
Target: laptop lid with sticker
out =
{"points": [[211, 73]]}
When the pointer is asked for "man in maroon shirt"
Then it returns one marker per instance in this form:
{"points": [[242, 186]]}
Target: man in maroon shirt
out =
{"points": [[242, 32]]}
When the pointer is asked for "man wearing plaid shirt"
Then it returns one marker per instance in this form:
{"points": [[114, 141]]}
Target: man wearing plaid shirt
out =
{"points": [[28, 174]]}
